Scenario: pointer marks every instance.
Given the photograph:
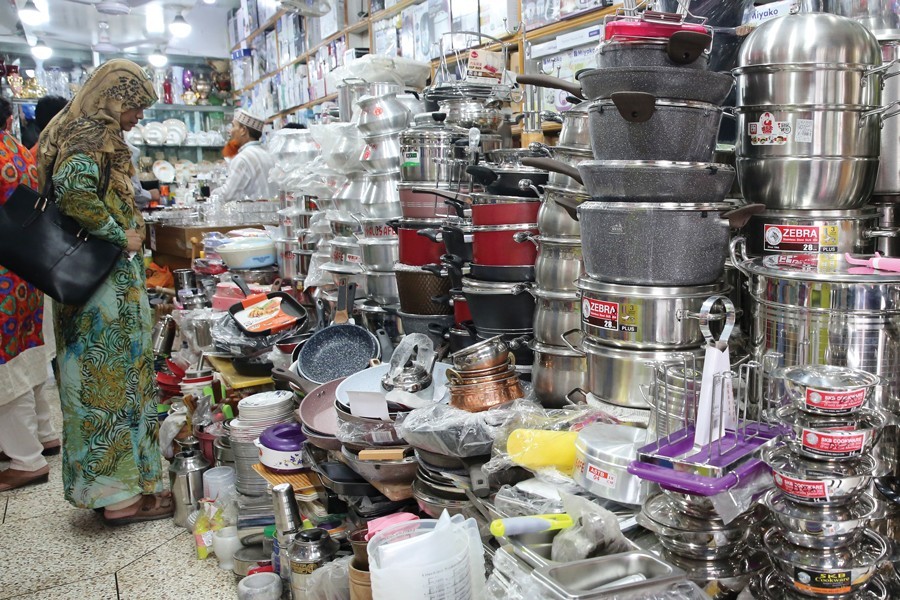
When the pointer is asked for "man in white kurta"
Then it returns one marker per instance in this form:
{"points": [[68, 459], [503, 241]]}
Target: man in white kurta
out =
{"points": [[248, 172]]}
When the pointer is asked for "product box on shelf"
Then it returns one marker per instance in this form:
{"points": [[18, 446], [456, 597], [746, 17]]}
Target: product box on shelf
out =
{"points": [[384, 37], [537, 13], [565, 64], [570, 8], [491, 15], [464, 15], [408, 32]]}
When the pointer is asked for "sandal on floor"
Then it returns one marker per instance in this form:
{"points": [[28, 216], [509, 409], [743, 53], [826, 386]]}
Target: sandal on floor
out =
{"points": [[149, 508]]}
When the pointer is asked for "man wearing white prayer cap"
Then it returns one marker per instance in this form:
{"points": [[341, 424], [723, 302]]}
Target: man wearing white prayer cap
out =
{"points": [[248, 172]]}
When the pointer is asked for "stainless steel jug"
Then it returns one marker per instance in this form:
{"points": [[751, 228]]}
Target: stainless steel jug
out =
{"points": [[186, 479]]}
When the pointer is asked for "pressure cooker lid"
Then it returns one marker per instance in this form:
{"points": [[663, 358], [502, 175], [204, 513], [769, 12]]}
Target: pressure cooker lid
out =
{"points": [[815, 38], [832, 268]]}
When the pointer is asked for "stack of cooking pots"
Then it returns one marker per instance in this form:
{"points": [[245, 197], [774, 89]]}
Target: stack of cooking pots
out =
{"points": [[810, 114], [483, 376], [654, 235], [820, 544], [378, 245], [294, 250]]}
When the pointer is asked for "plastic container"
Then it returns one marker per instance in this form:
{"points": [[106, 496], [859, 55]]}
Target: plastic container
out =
{"points": [[218, 481], [260, 586]]}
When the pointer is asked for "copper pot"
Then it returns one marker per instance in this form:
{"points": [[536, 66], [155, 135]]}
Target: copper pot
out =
{"points": [[458, 378], [480, 397]]}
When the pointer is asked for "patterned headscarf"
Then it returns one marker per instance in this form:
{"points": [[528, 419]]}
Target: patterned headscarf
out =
{"points": [[89, 124]]}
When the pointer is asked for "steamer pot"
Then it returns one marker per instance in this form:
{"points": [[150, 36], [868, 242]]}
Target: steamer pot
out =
{"points": [[428, 154], [556, 371], [815, 231], [888, 182]]}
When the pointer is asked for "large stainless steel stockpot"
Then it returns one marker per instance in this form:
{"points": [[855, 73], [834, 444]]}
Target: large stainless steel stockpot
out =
{"points": [[556, 371], [815, 231], [380, 254], [644, 317], [817, 85], [881, 17], [808, 158], [888, 182], [639, 126], [558, 264], [554, 314], [428, 154], [816, 309], [482, 114], [621, 377]]}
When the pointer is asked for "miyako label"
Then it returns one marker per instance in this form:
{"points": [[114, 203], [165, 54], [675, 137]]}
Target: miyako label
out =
{"points": [[801, 238], [814, 582], [769, 132], [833, 443], [610, 315], [835, 402], [815, 491]]}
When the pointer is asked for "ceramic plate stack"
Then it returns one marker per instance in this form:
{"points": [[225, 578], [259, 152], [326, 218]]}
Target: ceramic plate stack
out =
{"points": [[257, 413]]}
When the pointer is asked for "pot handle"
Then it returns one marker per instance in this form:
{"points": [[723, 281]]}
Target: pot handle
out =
{"points": [[434, 270], [569, 203], [458, 205], [287, 376], [539, 149], [882, 68], [482, 175], [547, 81], [635, 107], [685, 47], [577, 392], [565, 338], [523, 236], [549, 115], [453, 260], [882, 112], [882, 232], [522, 287], [737, 251], [432, 234], [549, 164], [527, 184], [453, 376], [439, 331], [518, 342], [443, 300], [738, 217], [440, 193]]}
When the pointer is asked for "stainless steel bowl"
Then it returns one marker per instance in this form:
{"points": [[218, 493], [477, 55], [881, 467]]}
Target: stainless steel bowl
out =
{"points": [[832, 438], [819, 483], [483, 355], [824, 573], [769, 585], [828, 390], [818, 527]]}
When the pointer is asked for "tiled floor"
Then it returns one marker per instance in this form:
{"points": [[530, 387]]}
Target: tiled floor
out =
{"points": [[50, 550]]}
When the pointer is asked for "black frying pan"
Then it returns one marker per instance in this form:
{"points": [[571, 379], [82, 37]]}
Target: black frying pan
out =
{"points": [[289, 306]]}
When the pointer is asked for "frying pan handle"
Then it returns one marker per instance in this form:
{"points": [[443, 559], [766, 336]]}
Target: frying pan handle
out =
{"points": [[547, 81], [287, 376], [635, 107], [569, 203], [549, 164], [482, 175], [387, 345], [432, 234], [739, 217], [242, 285], [685, 47]]}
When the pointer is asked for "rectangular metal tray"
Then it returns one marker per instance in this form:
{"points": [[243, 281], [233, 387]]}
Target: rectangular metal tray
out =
{"points": [[582, 580]]}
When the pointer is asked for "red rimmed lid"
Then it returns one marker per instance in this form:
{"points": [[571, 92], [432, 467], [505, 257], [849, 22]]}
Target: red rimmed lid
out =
{"points": [[627, 28]]}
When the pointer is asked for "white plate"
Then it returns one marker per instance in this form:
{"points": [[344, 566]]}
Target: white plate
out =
{"points": [[154, 133], [135, 137], [176, 125], [164, 171]]}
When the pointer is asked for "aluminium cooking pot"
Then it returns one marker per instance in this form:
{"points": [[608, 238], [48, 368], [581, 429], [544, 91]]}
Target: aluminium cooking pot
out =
{"points": [[495, 245], [380, 197], [644, 317], [658, 244], [497, 306], [815, 231], [379, 254], [639, 126], [556, 371]]}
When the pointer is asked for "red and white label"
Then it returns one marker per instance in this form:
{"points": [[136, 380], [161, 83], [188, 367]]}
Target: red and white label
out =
{"points": [[791, 238], [367, 153], [836, 402], [380, 230], [353, 258], [801, 488], [598, 475], [604, 315], [833, 443]]}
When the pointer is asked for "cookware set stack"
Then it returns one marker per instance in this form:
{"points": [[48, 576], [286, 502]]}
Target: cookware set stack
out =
{"points": [[655, 232], [820, 543], [483, 376], [811, 107]]}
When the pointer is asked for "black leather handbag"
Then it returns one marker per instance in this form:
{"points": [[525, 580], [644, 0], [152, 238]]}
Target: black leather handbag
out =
{"points": [[50, 250]]}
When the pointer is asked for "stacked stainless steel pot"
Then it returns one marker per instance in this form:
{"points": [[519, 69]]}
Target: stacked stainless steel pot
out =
{"points": [[293, 246], [810, 109], [820, 544], [654, 236]]}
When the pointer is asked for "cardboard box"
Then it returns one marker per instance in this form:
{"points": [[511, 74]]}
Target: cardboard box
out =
{"points": [[491, 15], [570, 8], [537, 13]]}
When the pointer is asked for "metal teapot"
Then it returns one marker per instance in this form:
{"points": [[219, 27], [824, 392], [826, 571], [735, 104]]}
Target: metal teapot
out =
{"points": [[186, 479]]}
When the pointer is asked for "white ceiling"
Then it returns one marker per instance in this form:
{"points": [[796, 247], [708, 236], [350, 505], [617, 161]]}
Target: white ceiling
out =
{"points": [[74, 25]]}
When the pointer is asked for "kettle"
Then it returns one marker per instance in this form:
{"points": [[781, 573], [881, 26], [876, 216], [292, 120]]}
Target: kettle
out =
{"points": [[186, 479], [311, 549]]}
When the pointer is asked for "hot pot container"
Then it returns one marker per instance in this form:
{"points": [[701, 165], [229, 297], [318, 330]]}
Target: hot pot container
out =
{"points": [[639, 126], [418, 288], [499, 306], [428, 154], [558, 264], [836, 572], [832, 438], [556, 371], [602, 455], [815, 231], [829, 390], [818, 527], [644, 317], [379, 254], [416, 248], [419, 200], [554, 314], [495, 245], [617, 375], [816, 482]]}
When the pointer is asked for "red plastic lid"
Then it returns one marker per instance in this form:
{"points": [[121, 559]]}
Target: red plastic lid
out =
{"points": [[648, 29]]}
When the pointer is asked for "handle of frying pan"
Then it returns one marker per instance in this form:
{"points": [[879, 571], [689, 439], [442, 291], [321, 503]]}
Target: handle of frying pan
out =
{"points": [[569, 203], [287, 376], [434, 270], [547, 81], [341, 312], [242, 285], [549, 164], [635, 107], [685, 47], [387, 345], [320, 314], [482, 175]]}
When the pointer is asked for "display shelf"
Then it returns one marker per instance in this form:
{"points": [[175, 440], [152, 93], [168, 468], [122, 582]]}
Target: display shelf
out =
{"points": [[270, 24], [180, 146], [294, 109], [394, 10], [203, 108]]}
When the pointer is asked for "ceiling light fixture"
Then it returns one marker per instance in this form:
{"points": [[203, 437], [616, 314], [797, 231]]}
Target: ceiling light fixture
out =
{"points": [[179, 27], [30, 14], [41, 51], [158, 59]]}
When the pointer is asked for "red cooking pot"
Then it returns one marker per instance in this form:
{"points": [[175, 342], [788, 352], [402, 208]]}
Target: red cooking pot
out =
{"points": [[416, 249], [494, 245], [420, 202], [492, 209], [460, 307]]}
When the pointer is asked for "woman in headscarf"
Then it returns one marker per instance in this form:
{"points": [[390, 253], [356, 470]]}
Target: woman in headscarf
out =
{"points": [[111, 457]]}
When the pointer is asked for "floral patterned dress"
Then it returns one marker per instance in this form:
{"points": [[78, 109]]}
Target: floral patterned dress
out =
{"points": [[105, 359], [23, 357]]}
